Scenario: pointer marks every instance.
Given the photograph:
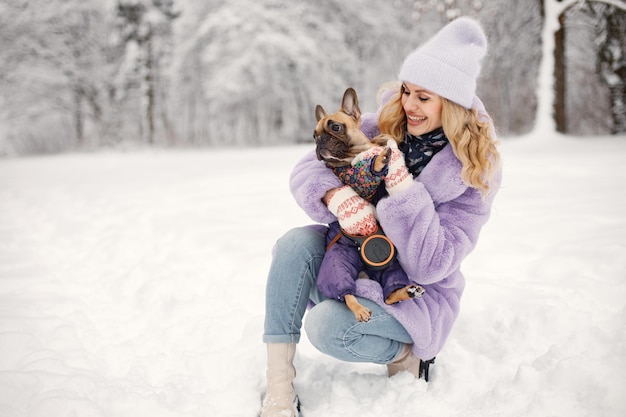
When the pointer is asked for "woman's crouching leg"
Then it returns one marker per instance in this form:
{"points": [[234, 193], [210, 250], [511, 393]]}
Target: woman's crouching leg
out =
{"points": [[291, 281], [332, 329]]}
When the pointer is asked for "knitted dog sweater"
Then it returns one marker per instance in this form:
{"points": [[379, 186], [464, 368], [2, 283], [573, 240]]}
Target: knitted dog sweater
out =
{"points": [[362, 177]]}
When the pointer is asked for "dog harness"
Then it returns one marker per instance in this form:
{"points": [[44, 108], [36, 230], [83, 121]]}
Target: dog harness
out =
{"points": [[376, 250]]}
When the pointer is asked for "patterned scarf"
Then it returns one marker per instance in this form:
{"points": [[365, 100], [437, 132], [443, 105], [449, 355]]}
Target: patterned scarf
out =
{"points": [[419, 150]]}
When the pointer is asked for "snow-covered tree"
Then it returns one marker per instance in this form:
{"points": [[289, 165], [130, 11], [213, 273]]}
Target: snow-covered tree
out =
{"points": [[252, 72], [510, 70], [549, 108], [447, 9], [145, 36], [196, 72], [611, 40], [54, 57]]}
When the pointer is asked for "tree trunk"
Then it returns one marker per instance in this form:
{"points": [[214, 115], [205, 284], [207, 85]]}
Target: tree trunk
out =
{"points": [[612, 57], [544, 118], [559, 77], [79, 120], [149, 90], [554, 10]]}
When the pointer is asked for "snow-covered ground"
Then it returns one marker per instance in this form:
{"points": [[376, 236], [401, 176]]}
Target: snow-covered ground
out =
{"points": [[132, 284]]}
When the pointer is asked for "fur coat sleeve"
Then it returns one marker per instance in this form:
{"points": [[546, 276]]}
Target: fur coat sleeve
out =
{"points": [[310, 180]]}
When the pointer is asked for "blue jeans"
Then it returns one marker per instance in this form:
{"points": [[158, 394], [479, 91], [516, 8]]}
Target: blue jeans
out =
{"points": [[330, 326]]}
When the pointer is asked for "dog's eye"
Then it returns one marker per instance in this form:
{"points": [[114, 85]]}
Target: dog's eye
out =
{"points": [[336, 127]]}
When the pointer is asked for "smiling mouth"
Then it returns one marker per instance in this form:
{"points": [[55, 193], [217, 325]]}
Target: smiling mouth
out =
{"points": [[416, 119]]}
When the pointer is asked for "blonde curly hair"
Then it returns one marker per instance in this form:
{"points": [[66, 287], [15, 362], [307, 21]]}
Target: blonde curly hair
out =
{"points": [[472, 137]]}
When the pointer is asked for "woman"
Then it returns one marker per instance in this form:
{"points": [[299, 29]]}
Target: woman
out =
{"points": [[440, 186]]}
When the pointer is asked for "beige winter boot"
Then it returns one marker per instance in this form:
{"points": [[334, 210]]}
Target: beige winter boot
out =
{"points": [[280, 396], [405, 361]]}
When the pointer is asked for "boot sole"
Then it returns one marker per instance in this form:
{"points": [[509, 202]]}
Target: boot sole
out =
{"points": [[296, 406]]}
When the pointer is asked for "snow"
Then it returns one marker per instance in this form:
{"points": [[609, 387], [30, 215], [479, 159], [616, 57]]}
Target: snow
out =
{"points": [[132, 284]]}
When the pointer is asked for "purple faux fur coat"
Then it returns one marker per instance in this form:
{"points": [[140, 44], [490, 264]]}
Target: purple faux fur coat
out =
{"points": [[434, 224]]}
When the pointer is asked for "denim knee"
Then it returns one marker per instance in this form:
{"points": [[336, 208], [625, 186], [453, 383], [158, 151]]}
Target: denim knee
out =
{"points": [[297, 242], [332, 328], [321, 326]]}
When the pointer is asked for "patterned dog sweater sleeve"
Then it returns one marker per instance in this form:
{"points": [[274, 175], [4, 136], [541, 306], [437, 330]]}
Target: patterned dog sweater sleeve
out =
{"points": [[361, 177]]}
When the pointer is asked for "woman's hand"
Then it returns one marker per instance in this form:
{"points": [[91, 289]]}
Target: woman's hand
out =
{"points": [[398, 177], [356, 215]]}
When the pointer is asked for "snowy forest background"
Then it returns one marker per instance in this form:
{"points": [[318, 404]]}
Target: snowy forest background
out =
{"points": [[88, 74], [113, 253]]}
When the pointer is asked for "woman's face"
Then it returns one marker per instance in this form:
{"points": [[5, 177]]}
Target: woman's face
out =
{"points": [[422, 108]]}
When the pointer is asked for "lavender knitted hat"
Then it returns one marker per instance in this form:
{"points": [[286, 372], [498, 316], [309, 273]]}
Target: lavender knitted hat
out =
{"points": [[448, 64]]}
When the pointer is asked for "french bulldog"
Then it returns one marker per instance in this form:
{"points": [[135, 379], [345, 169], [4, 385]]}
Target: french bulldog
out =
{"points": [[339, 139], [341, 145]]}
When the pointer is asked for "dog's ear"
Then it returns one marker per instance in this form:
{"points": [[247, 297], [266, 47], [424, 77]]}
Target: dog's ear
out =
{"points": [[319, 113], [350, 104]]}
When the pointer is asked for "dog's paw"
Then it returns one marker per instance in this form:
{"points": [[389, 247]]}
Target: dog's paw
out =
{"points": [[382, 159], [415, 291], [363, 315]]}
